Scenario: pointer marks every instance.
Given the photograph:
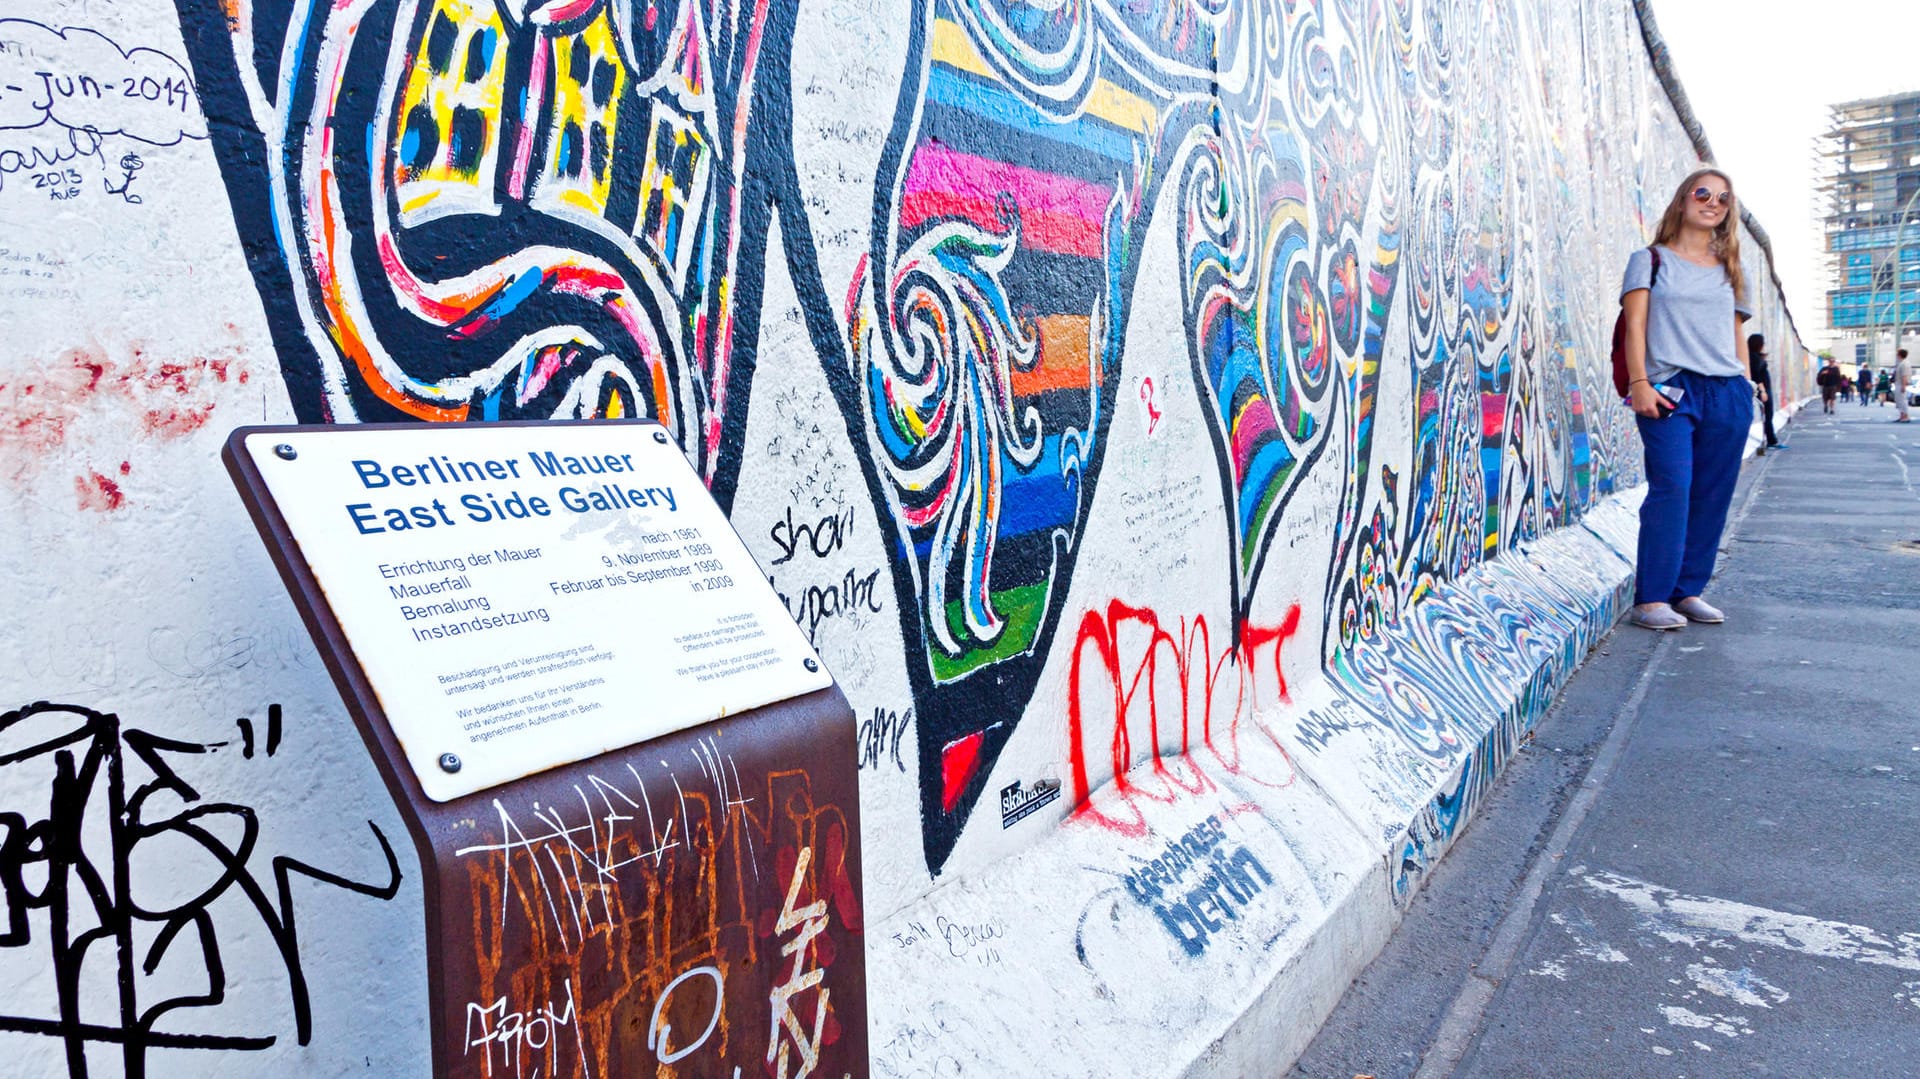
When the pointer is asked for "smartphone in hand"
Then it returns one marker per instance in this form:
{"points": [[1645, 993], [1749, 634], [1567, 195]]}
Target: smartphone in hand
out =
{"points": [[1672, 394]]}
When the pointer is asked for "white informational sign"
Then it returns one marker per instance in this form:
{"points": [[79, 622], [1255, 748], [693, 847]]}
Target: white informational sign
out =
{"points": [[522, 597]]}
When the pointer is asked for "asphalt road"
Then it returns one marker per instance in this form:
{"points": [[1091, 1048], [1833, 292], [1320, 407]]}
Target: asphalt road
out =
{"points": [[1708, 862]]}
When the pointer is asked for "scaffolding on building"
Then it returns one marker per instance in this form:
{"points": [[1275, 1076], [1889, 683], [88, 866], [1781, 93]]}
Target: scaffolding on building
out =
{"points": [[1870, 191]]}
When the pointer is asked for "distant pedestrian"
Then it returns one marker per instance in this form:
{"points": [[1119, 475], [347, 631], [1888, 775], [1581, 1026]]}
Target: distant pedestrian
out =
{"points": [[1883, 386], [1902, 383], [1864, 383], [1762, 386], [1829, 380], [1846, 388], [1686, 381]]}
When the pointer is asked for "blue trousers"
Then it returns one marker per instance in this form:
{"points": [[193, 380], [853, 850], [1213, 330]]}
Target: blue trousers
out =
{"points": [[1693, 462]]}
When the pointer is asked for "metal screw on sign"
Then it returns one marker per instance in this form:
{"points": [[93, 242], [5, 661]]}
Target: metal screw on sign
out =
{"points": [[285, 452], [449, 763], [660, 437], [810, 664]]}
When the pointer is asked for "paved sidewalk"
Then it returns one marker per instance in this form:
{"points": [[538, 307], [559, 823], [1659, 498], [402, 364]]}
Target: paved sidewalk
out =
{"points": [[1709, 862]]}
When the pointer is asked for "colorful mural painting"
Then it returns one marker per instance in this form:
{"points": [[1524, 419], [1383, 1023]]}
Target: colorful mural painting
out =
{"points": [[1160, 415], [564, 211]]}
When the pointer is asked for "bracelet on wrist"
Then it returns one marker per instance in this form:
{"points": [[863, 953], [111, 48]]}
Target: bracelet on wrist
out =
{"points": [[1630, 382]]}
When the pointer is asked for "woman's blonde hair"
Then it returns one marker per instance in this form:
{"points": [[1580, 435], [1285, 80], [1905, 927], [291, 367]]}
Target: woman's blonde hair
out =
{"points": [[1726, 235]]}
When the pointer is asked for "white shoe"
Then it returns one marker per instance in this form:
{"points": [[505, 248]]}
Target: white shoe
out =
{"points": [[1699, 610], [1658, 616]]}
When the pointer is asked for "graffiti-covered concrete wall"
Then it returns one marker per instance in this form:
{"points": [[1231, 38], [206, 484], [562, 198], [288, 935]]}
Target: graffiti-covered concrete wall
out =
{"points": [[1182, 426]]}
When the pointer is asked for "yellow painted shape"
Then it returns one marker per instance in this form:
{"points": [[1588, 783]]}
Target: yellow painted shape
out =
{"points": [[952, 47], [1121, 108], [1105, 101], [443, 92], [572, 102]]}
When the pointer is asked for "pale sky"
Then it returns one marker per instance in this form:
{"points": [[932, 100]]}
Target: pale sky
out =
{"points": [[1760, 75]]}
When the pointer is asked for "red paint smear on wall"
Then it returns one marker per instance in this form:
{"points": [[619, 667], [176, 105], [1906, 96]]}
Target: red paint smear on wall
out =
{"points": [[97, 492], [1150, 674], [174, 398], [120, 395]]}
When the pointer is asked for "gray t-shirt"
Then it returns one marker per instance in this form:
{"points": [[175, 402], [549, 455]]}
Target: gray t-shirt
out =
{"points": [[1689, 316]]}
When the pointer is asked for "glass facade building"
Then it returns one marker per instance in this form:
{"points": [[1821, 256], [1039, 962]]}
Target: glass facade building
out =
{"points": [[1872, 219]]}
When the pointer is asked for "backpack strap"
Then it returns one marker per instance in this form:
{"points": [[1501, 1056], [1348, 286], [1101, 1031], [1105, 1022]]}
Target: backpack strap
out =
{"points": [[1653, 252]]}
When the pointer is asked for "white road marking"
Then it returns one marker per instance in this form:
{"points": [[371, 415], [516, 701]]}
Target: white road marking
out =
{"points": [[1599, 952], [1741, 986], [1731, 1026], [1668, 909]]}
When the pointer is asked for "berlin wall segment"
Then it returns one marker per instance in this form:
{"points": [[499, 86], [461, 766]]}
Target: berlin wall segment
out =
{"points": [[1182, 430]]}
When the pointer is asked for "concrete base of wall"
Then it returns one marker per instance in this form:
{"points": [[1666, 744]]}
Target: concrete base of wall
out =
{"points": [[1202, 914]]}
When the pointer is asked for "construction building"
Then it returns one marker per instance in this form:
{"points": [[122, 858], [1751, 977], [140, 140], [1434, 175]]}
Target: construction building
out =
{"points": [[1871, 154]]}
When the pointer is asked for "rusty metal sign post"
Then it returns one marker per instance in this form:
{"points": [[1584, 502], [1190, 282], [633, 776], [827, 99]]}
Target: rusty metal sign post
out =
{"points": [[631, 783]]}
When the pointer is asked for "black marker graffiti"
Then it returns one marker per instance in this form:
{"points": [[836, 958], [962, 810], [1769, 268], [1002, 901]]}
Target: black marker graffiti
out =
{"points": [[852, 595], [51, 157], [821, 537], [129, 164], [104, 776], [64, 91], [880, 737], [273, 732]]}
